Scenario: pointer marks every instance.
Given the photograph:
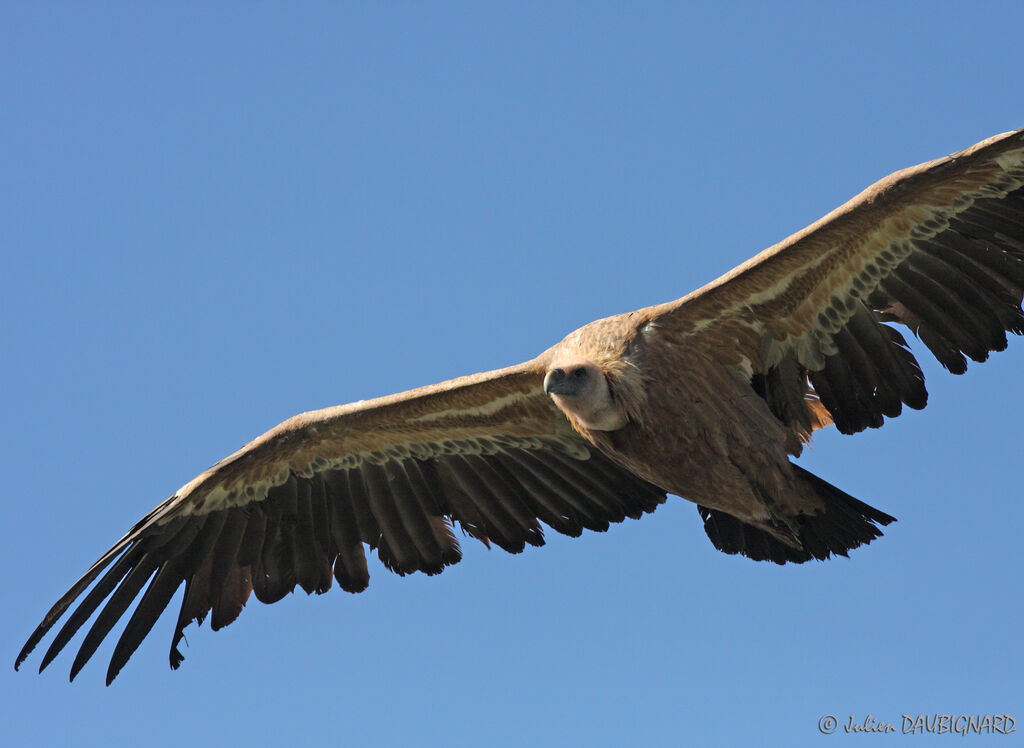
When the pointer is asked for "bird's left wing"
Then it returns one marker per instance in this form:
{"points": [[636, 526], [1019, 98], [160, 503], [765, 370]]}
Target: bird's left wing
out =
{"points": [[937, 247], [296, 506]]}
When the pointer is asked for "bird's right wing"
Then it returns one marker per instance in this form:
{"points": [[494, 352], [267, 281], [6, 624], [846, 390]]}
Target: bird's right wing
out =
{"points": [[297, 505]]}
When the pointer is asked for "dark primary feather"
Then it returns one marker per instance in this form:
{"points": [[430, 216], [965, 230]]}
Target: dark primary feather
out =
{"points": [[310, 529], [959, 292], [350, 566]]}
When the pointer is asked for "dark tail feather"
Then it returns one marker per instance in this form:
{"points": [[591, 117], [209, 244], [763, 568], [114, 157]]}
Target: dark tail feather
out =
{"points": [[845, 524]]}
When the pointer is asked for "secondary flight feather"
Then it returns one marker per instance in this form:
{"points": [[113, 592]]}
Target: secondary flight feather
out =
{"points": [[707, 398]]}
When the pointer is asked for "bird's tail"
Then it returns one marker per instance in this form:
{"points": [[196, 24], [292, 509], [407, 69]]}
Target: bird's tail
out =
{"points": [[845, 524]]}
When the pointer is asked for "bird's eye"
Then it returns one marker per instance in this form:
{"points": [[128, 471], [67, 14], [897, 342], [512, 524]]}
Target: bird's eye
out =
{"points": [[579, 373]]}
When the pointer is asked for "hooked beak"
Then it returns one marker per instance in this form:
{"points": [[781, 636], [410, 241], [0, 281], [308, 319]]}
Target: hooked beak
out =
{"points": [[557, 382]]}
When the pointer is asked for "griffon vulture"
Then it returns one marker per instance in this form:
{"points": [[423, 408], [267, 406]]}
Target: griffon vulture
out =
{"points": [[707, 397]]}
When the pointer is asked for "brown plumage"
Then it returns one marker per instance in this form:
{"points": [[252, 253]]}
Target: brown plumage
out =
{"points": [[706, 397]]}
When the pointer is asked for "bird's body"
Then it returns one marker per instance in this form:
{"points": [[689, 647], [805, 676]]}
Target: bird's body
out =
{"points": [[706, 397], [703, 427], [704, 433], [713, 441]]}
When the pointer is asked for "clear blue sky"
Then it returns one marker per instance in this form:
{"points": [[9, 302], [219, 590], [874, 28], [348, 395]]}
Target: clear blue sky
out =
{"points": [[212, 219]]}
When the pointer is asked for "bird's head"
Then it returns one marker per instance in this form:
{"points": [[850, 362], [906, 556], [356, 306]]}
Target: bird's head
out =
{"points": [[581, 390]]}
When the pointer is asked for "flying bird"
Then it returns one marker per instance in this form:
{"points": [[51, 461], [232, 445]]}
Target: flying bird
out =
{"points": [[706, 397]]}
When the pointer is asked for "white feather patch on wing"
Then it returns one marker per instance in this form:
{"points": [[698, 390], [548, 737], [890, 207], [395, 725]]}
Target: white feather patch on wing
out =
{"points": [[487, 409], [217, 497]]}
